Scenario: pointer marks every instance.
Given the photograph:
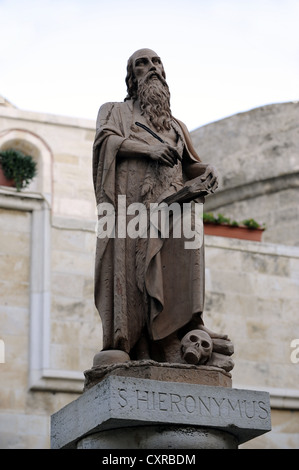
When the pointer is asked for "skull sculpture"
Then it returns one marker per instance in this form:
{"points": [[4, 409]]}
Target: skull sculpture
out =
{"points": [[196, 347]]}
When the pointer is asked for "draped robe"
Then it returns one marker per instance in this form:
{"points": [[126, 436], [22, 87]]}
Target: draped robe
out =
{"points": [[141, 283]]}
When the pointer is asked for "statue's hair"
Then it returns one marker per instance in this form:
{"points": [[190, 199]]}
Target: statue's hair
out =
{"points": [[131, 81]]}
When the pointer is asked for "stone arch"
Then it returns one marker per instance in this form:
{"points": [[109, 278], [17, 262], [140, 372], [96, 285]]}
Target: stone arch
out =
{"points": [[32, 144]]}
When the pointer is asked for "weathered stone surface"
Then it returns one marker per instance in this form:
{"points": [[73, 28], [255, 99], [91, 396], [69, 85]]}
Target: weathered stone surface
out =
{"points": [[160, 437], [252, 291], [121, 402], [252, 146], [204, 375], [256, 154]]}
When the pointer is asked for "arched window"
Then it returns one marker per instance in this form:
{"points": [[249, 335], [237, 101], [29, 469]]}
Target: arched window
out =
{"points": [[32, 144]]}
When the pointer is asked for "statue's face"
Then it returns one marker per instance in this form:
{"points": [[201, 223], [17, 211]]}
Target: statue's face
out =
{"points": [[145, 61]]}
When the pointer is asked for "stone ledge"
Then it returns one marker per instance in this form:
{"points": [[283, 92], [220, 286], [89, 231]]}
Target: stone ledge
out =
{"points": [[47, 118], [264, 248], [148, 369], [252, 189]]}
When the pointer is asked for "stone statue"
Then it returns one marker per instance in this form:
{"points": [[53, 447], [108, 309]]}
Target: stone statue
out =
{"points": [[149, 290]]}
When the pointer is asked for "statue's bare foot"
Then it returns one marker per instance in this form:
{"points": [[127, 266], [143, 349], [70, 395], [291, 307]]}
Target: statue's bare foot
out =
{"points": [[213, 334], [112, 356]]}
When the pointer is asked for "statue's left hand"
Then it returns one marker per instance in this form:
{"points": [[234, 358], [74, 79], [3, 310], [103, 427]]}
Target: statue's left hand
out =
{"points": [[206, 173], [210, 177]]}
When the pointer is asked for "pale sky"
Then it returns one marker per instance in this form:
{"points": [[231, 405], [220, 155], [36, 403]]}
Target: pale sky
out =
{"points": [[221, 57]]}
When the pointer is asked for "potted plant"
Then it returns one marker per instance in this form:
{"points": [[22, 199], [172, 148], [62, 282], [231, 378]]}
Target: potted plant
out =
{"points": [[222, 226], [17, 169]]}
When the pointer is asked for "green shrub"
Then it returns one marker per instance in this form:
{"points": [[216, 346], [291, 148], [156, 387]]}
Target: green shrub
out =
{"points": [[208, 217], [252, 224], [18, 167]]}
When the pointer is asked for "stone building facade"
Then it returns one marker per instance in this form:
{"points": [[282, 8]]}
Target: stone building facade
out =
{"points": [[49, 328], [252, 289]]}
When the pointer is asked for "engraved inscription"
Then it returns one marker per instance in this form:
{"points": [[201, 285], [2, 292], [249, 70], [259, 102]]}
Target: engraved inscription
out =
{"points": [[203, 405]]}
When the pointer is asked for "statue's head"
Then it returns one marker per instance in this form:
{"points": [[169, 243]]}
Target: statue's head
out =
{"points": [[143, 63]]}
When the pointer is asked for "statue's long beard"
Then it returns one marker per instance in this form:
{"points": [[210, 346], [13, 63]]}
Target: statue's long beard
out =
{"points": [[154, 98]]}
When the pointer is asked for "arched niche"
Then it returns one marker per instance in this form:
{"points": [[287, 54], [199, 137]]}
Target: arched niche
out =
{"points": [[31, 144]]}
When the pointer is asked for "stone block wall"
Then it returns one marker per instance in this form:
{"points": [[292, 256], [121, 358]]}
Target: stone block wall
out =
{"points": [[252, 294], [75, 324], [48, 322]]}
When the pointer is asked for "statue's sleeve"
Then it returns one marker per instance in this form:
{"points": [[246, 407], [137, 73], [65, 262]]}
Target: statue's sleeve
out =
{"points": [[192, 154], [108, 139]]}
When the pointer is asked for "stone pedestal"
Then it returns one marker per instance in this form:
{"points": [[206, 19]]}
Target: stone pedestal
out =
{"points": [[164, 371], [123, 412], [160, 437]]}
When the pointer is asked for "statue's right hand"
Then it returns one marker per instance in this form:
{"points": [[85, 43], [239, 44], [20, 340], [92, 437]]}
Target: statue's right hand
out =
{"points": [[164, 154]]}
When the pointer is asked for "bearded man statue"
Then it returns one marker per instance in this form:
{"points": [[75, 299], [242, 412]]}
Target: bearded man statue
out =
{"points": [[149, 291]]}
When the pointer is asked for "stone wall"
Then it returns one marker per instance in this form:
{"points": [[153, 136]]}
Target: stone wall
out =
{"points": [[252, 294], [252, 289], [256, 154], [48, 322]]}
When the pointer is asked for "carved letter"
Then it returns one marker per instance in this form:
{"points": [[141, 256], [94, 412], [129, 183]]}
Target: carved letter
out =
{"points": [[250, 415], [140, 398], [207, 407], [122, 393], [174, 400], [236, 406], [192, 402], [162, 401], [219, 404], [265, 414]]}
